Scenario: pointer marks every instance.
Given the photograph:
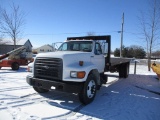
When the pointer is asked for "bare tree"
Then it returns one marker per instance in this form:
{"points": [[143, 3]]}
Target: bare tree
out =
{"points": [[150, 26], [12, 22]]}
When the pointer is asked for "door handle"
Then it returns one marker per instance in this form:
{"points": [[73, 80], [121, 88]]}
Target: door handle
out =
{"points": [[92, 56]]}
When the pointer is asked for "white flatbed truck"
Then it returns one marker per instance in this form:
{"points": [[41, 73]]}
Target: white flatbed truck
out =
{"points": [[78, 66]]}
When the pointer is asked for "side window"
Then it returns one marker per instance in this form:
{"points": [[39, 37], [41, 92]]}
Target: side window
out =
{"points": [[97, 49]]}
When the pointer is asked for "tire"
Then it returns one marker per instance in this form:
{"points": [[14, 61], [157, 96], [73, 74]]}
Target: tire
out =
{"points": [[88, 92], [15, 66], [121, 73], [124, 70], [40, 90]]}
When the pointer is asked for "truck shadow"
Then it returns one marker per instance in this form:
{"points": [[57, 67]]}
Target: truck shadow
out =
{"points": [[118, 99]]}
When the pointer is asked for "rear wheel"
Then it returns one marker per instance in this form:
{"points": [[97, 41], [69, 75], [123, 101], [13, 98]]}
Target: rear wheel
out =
{"points": [[40, 90], [15, 66], [124, 70], [88, 92]]}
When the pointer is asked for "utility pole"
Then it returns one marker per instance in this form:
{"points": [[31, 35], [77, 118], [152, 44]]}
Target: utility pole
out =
{"points": [[122, 36]]}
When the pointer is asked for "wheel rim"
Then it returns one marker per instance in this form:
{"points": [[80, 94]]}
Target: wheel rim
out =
{"points": [[91, 88]]}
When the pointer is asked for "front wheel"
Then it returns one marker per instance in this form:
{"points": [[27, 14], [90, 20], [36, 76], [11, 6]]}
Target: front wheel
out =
{"points": [[40, 90], [88, 92]]}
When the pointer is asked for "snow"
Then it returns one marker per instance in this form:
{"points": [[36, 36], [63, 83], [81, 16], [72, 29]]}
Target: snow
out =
{"points": [[134, 98]]}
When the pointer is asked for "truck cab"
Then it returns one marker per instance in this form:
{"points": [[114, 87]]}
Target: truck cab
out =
{"points": [[87, 53]]}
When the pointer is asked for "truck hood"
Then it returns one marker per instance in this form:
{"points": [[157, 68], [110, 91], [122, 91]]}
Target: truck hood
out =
{"points": [[68, 55]]}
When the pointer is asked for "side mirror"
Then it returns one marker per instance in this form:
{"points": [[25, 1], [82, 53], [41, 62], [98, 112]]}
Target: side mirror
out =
{"points": [[105, 48], [56, 45]]}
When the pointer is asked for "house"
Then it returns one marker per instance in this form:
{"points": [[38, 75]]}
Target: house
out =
{"points": [[9, 46], [44, 48]]}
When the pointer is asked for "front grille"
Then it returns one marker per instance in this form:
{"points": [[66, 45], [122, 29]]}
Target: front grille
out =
{"points": [[48, 68]]}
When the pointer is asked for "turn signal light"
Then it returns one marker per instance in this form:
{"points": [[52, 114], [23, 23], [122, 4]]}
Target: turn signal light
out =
{"points": [[81, 74]]}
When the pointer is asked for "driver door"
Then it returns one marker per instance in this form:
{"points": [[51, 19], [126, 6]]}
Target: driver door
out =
{"points": [[98, 58]]}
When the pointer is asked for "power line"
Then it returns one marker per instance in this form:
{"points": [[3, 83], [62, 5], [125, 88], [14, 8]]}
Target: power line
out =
{"points": [[66, 33]]}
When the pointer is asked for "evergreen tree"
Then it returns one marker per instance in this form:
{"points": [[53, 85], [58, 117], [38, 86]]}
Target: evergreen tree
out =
{"points": [[130, 52], [117, 52]]}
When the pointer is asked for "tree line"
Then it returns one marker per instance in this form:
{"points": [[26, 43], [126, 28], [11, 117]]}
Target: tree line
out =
{"points": [[133, 51]]}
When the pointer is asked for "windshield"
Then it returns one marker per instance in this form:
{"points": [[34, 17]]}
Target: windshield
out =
{"points": [[85, 46]]}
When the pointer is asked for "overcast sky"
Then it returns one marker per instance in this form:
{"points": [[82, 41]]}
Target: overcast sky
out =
{"points": [[49, 21]]}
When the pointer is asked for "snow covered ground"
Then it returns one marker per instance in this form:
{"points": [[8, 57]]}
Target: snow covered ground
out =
{"points": [[134, 98]]}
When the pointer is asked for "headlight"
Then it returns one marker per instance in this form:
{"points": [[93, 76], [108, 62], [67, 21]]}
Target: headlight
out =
{"points": [[79, 74], [73, 74]]}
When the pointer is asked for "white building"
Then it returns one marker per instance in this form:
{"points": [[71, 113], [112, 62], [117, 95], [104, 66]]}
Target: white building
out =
{"points": [[44, 48]]}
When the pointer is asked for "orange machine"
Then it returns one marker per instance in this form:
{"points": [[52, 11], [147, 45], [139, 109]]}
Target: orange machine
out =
{"points": [[16, 58]]}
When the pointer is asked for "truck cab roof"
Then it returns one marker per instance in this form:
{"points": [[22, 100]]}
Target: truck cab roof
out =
{"points": [[78, 40]]}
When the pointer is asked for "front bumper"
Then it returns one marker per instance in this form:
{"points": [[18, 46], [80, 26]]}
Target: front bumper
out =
{"points": [[72, 87]]}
